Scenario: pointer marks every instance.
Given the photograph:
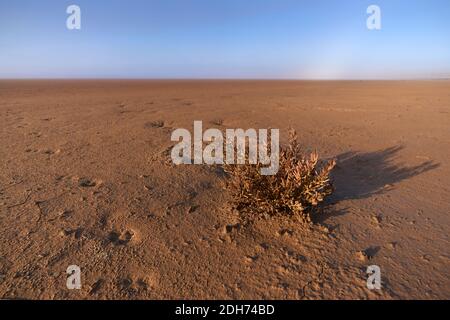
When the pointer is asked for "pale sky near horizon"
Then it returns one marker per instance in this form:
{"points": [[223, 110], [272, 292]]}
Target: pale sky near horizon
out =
{"points": [[286, 39]]}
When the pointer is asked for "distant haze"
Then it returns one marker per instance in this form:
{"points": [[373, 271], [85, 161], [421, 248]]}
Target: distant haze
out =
{"points": [[258, 39]]}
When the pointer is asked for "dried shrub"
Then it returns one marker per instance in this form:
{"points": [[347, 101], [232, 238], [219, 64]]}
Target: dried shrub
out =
{"points": [[301, 184]]}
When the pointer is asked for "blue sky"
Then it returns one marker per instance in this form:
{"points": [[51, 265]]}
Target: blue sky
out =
{"points": [[287, 39]]}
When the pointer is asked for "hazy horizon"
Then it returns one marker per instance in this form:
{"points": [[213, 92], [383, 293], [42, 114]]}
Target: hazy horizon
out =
{"points": [[225, 40]]}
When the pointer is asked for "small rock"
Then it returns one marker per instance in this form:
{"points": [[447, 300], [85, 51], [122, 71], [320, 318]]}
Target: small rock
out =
{"points": [[85, 182], [361, 256]]}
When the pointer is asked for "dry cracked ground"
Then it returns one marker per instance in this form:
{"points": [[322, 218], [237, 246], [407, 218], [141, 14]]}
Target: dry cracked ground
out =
{"points": [[86, 179]]}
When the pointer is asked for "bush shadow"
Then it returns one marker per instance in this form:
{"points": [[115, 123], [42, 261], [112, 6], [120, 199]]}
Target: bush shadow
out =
{"points": [[360, 175]]}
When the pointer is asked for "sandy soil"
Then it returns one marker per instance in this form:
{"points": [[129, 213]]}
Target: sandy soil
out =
{"points": [[85, 179]]}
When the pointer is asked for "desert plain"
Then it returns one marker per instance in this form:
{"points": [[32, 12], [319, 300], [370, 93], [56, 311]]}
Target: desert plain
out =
{"points": [[86, 179]]}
